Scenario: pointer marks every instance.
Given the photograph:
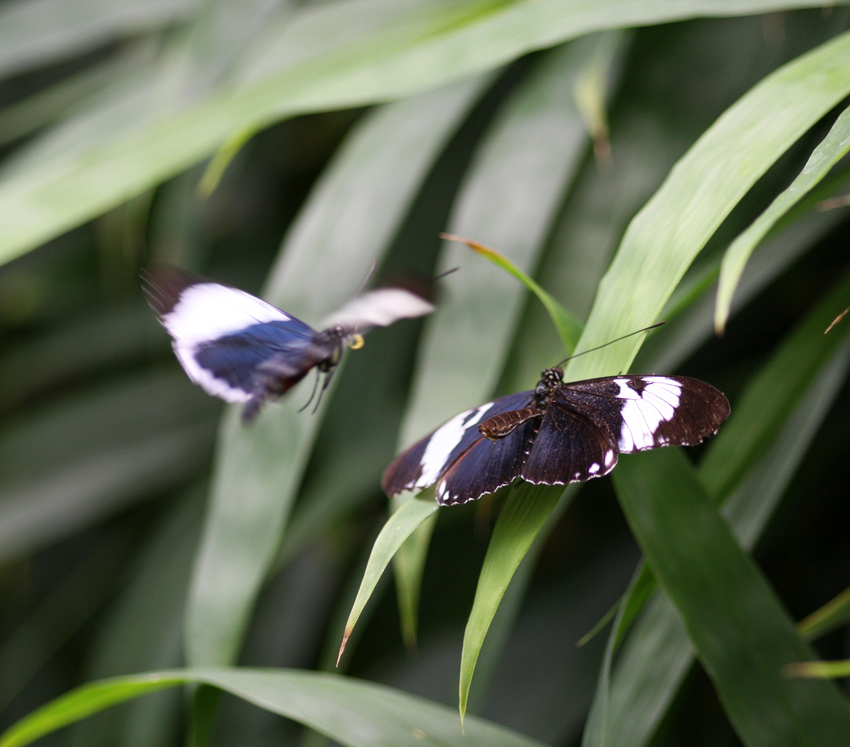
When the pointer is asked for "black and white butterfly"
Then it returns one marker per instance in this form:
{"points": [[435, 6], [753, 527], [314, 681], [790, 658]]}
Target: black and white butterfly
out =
{"points": [[242, 349], [557, 434]]}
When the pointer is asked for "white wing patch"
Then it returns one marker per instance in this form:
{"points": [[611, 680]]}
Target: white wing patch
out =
{"points": [[379, 308], [644, 411], [205, 379], [443, 442], [207, 311]]}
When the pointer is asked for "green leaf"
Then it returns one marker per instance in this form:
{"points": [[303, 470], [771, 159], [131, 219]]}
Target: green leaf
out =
{"points": [[531, 151], [657, 655], [46, 31], [397, 529], [701, 190], [349, 222], [819, 669], [741, 633], [832, 615], [568, 327], [833, 147], [526, 510], [330, 56], [352, 712]]}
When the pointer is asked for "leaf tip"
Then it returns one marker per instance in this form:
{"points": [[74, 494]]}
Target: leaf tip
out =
{"points": [[474, 245], [342, 645]]}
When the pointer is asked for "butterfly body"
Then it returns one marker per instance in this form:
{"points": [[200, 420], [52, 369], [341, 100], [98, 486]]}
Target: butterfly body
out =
{"points": [[242, 349], [557, 434]]}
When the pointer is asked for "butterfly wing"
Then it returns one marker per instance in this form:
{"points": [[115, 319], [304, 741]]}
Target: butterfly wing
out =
{"points": [[379, 308], [586, 424], [448, 448], [569, 447], [646, 412], [228, 341]]}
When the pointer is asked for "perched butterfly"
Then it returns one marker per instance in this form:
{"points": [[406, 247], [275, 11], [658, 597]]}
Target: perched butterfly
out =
{"points": [[242, 349], [557, 434]]}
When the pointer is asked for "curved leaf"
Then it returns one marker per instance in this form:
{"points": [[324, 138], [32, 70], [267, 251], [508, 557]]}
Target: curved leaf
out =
{"points": [[373, 51], [740, 631], [348, 223], [397, 529], [349, 711], [833, 147], [703, 187]]}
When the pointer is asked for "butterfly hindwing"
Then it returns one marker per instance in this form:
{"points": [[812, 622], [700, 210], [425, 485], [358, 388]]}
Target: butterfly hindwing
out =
{"points": [[569, 447]]}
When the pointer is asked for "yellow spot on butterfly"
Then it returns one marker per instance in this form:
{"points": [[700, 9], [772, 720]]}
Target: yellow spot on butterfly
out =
{"points": [[356, 342]]}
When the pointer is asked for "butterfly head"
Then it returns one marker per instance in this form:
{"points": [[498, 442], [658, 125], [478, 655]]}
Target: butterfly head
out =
{"points": [[549, 379]]}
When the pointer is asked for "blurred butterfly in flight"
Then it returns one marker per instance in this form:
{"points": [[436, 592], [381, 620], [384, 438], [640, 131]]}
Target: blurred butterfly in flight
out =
{"points": [[557, 434], [242, 349]]}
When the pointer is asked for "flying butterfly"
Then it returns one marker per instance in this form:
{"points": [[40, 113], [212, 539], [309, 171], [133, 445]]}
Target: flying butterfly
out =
{"points": [[242, 349], [557, 434]]}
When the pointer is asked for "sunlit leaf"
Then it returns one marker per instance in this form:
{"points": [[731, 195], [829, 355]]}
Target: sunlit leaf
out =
{"points": [[833, 147], [349, 711]]}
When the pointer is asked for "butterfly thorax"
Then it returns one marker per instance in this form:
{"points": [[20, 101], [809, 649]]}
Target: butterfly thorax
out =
{"points": [[503, 425]]}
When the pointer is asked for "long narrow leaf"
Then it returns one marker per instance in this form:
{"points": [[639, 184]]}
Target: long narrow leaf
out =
{"points": [[658, 654], [509, 198], [833, 147], [397, 529], [526, 510], [702, 189], [348, 223], [741, 633], [349, 711], [396, 50]]}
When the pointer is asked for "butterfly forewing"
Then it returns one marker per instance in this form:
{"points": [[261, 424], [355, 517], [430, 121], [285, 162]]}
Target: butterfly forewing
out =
{"points": [[428, 460], [646, 412]]}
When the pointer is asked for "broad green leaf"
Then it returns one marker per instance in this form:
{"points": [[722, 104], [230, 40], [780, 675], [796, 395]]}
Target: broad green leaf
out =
{"points": [[352, 712], [509, 198], [833, 614], [48, 106], [39, 32], [141, 630], [370, 51], [657, 655], [740, 631], [833, 147], [397, 529], [526, 510], [690, 311], [347, 224], [703, 187], [665, 355]]}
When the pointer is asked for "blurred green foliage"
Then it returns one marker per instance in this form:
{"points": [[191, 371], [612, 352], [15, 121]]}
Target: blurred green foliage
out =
{"points": [[612, 151]]}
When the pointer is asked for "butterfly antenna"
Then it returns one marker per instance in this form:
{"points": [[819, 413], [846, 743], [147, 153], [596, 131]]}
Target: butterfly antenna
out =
{"points": [[312, 394], [443, 274], [366, 279], [611, 342]]}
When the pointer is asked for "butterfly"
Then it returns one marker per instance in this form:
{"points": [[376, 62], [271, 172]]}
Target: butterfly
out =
{"points": [[556, 434], [242, 349]]}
